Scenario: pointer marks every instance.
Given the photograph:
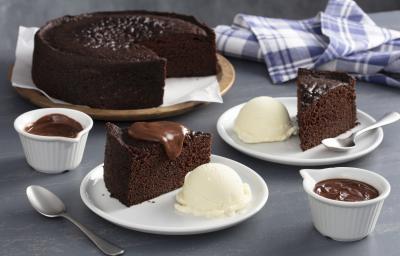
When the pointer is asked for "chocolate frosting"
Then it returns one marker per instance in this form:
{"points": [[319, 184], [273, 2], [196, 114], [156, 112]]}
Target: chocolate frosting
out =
{"points": [[55, 125], [314, 84], [169, 134], [115, 35], [318, 87], [345, 190]]}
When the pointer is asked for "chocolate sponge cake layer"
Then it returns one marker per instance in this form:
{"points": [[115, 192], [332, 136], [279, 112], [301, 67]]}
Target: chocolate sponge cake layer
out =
{"points": [[99, 83], [326, 105], [138, 170], [119, 60]]}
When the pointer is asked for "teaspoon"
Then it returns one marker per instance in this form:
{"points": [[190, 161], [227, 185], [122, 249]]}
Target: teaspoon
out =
{"points": [[49, 205], [348, 143]]}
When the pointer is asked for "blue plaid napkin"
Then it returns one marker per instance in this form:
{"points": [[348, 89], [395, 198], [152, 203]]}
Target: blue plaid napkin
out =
{"points": [[342, 38]]}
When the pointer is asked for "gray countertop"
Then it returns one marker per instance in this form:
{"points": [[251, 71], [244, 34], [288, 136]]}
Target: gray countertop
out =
{"points": [[282, 227]]}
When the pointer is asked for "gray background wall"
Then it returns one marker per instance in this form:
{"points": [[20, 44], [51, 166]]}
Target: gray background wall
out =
{"points": [[13, 12]]}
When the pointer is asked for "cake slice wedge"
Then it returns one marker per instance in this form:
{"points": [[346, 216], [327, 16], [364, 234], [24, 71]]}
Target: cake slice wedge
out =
{"points": [[149, 159], [326, 105]]}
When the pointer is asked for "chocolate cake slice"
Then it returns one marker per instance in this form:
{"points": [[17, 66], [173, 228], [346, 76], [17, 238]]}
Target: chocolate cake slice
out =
{"points": [[326, 105], [149, 159]]}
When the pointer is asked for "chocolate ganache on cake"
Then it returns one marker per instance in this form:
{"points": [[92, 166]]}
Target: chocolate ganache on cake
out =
{"points": [[169, 134], [119, 60]]}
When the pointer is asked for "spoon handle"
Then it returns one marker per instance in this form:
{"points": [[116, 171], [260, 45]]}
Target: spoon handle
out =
{"points": [[387, 119], [106, 247]]}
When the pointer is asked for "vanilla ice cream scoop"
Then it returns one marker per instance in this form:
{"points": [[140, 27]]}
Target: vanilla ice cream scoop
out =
{"points": [[263, 119], [213, 190]]}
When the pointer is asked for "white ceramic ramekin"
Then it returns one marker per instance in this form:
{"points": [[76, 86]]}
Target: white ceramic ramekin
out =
{"points": [[52, 154], [344, 221]]}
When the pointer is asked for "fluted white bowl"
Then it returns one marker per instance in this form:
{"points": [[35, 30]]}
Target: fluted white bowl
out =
{"points": [[344, 221], [53, 154]]}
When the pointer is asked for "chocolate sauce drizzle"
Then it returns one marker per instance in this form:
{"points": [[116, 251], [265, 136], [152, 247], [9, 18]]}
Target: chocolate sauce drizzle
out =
{"points": [[169, 134], [318, 87]]}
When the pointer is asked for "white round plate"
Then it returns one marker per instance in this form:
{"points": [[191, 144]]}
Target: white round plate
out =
{"points": [[158, 215], [289, 152]]}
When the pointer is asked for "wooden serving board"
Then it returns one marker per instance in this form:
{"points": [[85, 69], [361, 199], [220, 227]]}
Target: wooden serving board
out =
{"points": [[225, 76]]}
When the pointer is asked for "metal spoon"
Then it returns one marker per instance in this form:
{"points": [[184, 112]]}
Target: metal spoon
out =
{"points": [[49, 205], [349, 142]]}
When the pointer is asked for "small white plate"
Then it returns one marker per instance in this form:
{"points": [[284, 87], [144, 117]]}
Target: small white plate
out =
{"points": [[158, 215], [289, 152]]}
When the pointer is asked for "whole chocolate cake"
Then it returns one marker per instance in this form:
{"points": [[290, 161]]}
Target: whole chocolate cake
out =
{"points": [[119, 60], [149, 159], [326, 105]]}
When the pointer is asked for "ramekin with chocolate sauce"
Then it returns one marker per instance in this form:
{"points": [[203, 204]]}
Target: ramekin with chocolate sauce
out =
{"points": [[345, 202], [53, 139]]}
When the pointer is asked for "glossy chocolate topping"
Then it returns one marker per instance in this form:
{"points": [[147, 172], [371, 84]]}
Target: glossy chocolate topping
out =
{"points": [[55, 125], [318, 87], [169, 134], [345, 190], [114, 34], [314, 83]]}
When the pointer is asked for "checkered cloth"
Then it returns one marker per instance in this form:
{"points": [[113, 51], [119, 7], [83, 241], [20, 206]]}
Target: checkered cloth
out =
{"points": [[342, 38]]}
